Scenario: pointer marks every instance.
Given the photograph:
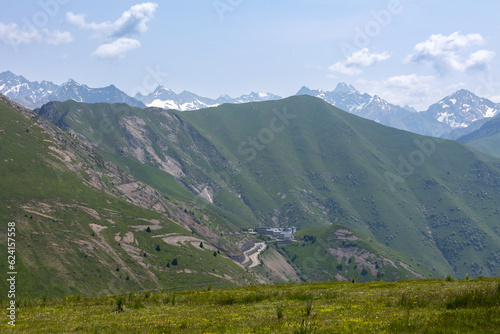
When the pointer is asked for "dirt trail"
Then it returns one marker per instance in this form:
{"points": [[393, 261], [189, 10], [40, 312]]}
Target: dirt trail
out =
{"points": [[179, 240]]}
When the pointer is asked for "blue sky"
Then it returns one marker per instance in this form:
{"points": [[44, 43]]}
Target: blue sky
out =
{"points": [[406, 51]]}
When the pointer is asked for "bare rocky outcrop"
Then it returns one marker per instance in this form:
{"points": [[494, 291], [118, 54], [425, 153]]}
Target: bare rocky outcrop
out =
{"points": [[278, 266], [363, 258], [142, 146]]}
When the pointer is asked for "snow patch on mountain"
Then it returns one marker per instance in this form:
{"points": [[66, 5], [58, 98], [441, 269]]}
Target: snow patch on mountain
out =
{"points": [[165, 98], [33, 94], [461, 109], [456, 111]]}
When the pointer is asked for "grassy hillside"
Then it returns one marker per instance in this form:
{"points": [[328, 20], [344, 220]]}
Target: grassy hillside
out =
{"points": [[434, 201], [418, 306], [72, 238], [489, 145], [137, 139], [338, 253], [302, 162], [486, 139]]}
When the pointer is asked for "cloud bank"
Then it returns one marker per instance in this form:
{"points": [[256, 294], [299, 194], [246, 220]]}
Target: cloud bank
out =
{"points": [[116, 49], [131, 22], [445, 53], [12, 34], [355, 63]]}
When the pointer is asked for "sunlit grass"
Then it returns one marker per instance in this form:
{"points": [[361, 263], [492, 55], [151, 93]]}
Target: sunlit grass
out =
{"points": [[426, 306]]}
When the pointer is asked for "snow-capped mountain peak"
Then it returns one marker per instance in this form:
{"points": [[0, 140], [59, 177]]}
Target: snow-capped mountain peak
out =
{"points": [[409, 108], [35, 94], [71, 82], [462, 108], [343, 88], [168, 99], [307, 91]]}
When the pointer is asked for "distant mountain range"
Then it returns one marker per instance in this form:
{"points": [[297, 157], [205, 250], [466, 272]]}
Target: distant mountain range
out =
{"points": [[167, 99], [451, 117], [454, 116], [33, 94]]}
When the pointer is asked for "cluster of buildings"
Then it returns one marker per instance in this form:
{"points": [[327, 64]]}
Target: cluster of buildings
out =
{"points": [[280, 234]]}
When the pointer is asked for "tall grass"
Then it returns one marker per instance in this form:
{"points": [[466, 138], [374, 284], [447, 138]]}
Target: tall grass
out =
{"points": [[308, 307], [280, 309], [304, 328], [120, 303], [475, 298]]}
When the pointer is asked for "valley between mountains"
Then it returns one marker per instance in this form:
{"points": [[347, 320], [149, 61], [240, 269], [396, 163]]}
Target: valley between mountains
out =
{"points": [[111, 197]]}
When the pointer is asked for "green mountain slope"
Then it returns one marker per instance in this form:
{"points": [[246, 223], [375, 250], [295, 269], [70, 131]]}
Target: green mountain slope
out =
{"points": [[338, 253], [302, 162], [137, 139], [77, 231], [486, 139], [435, 201]]}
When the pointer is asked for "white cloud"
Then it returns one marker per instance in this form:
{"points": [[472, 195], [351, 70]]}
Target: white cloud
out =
{"points": [[445, 53], [116, 49], [439, 44], [343, 68], [355, 63], [57, 37], [411, 85], [12, 34], [479, 60], [79, 21], [131, 22]]}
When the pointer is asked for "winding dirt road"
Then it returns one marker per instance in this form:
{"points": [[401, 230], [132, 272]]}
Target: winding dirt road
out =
{"points": [[254, 252]]}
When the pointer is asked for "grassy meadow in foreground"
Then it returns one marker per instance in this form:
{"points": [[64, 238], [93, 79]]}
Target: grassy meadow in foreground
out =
{"points": [[423, 306]]}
